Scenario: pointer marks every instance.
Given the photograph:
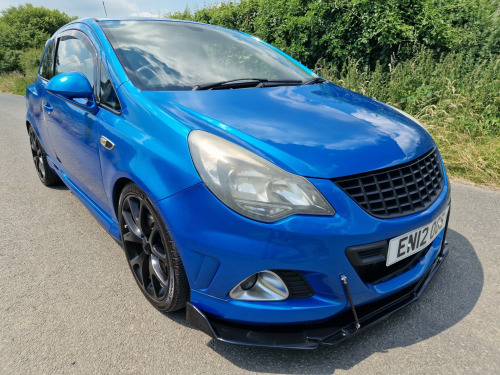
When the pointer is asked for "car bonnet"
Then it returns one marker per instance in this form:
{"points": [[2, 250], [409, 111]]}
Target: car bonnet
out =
{"points": [[319, 130]]}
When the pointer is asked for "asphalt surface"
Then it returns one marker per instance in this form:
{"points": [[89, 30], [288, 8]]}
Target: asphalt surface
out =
{"points": [[69, 303]]}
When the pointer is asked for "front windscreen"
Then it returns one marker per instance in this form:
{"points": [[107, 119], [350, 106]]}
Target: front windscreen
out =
{"points": [[169, 55]]}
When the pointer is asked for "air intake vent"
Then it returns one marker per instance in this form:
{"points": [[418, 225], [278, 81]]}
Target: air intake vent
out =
{"points": [[369, 262], [397, 191]]}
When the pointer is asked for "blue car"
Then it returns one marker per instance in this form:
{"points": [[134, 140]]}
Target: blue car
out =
{"points": [[276, 207]]}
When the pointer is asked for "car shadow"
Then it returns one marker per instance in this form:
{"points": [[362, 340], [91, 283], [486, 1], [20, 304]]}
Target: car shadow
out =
{"points": [[449, 297], [60, 186]]}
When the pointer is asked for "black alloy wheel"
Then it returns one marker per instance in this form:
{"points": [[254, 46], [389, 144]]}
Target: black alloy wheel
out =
{"points": [[151, 252], [45, 172]]}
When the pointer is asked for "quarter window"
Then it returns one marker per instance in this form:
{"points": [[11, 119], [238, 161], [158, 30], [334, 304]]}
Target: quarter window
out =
{"points": [[75, 55], [47, 65], [107, 94]]}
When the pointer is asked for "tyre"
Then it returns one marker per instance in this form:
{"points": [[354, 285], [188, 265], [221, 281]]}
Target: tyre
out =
{"points": [[45, 172], [151, 252]]}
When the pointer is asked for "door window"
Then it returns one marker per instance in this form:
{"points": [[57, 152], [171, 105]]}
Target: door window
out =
{"points": [[76, 55]]}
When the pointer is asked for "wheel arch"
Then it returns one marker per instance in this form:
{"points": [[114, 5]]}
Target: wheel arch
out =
{"points": [[123, 181], [29, 124], [117, 190]]}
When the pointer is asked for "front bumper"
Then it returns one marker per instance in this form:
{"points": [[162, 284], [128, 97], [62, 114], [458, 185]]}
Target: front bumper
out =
{"points": [[310, 336], [220, 248]]}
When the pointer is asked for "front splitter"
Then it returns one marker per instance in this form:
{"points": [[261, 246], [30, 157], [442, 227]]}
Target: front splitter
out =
{"points": [[310, 336]]}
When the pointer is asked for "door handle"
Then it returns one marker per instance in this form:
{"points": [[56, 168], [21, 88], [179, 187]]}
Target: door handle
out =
{"points": [[48, 108]]}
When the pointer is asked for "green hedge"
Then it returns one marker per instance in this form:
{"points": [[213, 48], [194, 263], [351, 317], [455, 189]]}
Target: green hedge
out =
{"points": [[368, 31], [23, 28]]}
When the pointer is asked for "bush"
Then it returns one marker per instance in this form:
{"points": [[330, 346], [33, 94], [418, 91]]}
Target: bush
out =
{"points": [[9, 60], [23, 28]]}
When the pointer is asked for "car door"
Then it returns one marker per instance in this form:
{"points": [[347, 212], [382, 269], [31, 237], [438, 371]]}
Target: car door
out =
{"points": [[73, 131], [34, 95]]}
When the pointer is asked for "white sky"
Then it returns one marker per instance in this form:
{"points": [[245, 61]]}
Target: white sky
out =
{"points": [[115, 8]]}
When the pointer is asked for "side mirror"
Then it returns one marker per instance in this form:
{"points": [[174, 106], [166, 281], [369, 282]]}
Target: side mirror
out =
{"points": [[74, 87]]}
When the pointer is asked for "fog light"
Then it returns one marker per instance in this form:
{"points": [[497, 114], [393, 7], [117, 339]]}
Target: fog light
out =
{"points": [[249, 282], [262, 286]]}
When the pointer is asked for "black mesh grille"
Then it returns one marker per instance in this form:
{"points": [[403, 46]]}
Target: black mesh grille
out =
{"points": [[397, 191], [297, 285]]}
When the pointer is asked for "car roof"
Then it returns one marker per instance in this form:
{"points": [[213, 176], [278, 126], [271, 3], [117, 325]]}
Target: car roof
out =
{"points": [[91, 20]]}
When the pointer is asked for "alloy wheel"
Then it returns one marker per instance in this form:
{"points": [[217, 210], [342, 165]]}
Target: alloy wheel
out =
{"points": [[37, 152], [145, 247]]}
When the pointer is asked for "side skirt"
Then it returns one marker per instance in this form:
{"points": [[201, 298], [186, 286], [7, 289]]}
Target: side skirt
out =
{"points": [[102, 217]]}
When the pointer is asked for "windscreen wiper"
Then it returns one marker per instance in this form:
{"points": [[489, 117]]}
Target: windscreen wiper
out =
{"points": [[246, 82], [314, 80], [279, 82], [239, 82]]}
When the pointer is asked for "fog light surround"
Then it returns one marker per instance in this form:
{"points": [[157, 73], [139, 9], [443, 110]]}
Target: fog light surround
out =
{"points": [[262, 286]]}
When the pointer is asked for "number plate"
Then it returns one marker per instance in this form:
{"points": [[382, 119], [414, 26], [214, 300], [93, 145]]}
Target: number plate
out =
{"points": [[412, 242]]}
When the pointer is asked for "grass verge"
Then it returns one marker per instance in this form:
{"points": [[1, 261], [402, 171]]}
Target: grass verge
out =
{"points": [[15, 82]]}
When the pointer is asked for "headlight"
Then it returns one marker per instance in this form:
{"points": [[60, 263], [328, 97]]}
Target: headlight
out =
{"points": [[249, 184]]}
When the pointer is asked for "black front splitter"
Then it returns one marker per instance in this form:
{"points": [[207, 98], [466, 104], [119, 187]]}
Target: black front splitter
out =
{"points": [[310, 336]]}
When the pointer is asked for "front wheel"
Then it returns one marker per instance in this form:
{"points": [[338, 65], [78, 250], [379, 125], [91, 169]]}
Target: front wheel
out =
{"points": [[151, 252]]}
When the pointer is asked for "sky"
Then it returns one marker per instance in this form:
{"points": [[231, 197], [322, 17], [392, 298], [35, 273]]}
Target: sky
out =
{"points": [[115, 8]]}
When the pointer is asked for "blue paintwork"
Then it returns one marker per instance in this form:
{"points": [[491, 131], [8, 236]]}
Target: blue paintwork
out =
{"points": [[313, 245], [70, 85], [319, 131], [75, 142]]}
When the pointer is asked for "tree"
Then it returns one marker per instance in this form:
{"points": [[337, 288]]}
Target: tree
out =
{"points": [[25, 27]]}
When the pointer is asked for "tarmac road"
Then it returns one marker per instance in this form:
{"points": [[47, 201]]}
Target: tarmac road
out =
{"points": [[69, 304]]}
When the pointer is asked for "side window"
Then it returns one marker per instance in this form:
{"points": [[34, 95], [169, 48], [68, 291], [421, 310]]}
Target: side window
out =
{"points": [[46, 67], [75, 55], [107, 94]]}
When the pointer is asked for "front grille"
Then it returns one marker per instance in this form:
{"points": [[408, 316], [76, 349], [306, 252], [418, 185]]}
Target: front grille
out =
{"points": [[297, 285], [397, 191]]}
